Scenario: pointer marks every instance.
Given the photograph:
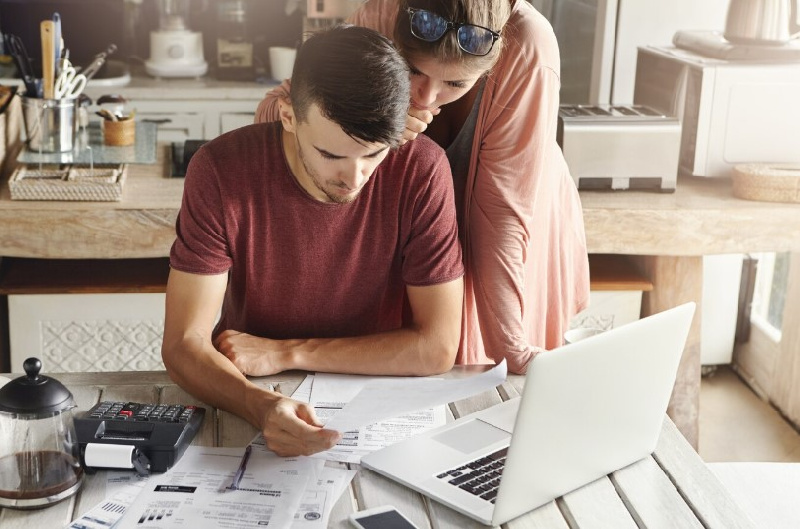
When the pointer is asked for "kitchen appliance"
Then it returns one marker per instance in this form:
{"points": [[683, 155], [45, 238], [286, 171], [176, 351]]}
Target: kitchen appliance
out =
{"points": [[598, 40], [321, 14], [762, 21], [234, 45], [38, 454], [332, 9], [175, 50], [619, 146], [709, 43], [731, 112]]}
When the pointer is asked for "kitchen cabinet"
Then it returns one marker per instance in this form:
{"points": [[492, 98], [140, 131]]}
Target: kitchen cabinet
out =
{"points": [[185, 109], [197, 120], [86, 314]]}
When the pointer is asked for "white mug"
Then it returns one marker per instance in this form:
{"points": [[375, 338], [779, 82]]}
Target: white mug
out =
{"points": [[281, 62]]}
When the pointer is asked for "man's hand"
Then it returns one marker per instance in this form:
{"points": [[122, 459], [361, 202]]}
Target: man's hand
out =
{"points": [[250, 354], [417, 122], [292, 429]]}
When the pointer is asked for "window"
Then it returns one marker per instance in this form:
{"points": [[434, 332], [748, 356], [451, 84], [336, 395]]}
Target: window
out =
{"points": [[769, 295]]}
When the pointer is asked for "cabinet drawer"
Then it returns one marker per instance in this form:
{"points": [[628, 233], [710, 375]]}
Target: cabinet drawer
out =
{"points": [[176, 127]]}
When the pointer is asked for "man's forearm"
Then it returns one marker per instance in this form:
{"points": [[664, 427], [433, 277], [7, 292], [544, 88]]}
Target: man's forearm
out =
{"points": [[201, 370], [402, 352], [427, 346]]}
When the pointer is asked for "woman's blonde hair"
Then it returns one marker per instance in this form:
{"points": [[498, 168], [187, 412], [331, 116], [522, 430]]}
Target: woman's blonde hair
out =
{"points": [[491, 14]]}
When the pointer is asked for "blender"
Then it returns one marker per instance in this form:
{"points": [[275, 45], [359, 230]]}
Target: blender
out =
{"points": [[175, 50]]}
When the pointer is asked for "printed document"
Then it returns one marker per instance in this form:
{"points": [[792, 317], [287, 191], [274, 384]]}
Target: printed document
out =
{"points": [[315, 509], [193, 493], [380, 411], [385, 397]]}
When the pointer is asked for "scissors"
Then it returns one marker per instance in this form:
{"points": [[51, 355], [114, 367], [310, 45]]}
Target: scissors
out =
{"points": [[70, 83], [33, 86]]}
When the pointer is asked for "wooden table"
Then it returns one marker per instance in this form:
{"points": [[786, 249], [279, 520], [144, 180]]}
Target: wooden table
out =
{"points": [[669, 233], [672, 488]]}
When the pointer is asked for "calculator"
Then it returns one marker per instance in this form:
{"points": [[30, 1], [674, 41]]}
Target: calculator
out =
{"points": [[158, 433]]}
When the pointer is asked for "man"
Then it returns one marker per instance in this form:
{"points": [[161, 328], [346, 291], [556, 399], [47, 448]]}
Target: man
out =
{"points": [[310, 233]]}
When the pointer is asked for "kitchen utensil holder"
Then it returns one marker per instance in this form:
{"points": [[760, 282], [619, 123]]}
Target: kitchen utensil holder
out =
{"points": [[119, 133]]}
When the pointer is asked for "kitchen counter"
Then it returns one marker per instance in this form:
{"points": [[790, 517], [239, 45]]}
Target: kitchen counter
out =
{"points": [[669, 232], [702, 217], [671, 488], [143, 87]]}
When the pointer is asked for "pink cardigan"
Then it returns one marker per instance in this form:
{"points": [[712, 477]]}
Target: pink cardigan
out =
{"points": [[527, 269]]}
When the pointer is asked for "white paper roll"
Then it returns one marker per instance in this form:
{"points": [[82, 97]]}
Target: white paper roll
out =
{"points": [[108, 456]]}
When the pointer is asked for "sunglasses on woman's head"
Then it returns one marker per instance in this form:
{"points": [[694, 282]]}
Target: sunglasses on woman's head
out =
{"points": [[472, 39]]}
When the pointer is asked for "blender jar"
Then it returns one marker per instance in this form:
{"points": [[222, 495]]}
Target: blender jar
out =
{"points": [[39, 462]]}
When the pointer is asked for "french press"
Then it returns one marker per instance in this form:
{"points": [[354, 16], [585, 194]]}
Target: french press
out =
{"points": [[39, 462]]}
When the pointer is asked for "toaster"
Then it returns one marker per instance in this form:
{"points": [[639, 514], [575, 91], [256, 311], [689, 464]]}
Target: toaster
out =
{"points": [[620, 146]]}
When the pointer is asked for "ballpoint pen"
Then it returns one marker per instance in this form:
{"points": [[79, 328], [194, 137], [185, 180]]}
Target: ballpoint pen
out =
{"points": [[239, 474]]}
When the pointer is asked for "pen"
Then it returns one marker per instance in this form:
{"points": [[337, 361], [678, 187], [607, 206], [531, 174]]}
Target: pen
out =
{"points": [[239, 474]]}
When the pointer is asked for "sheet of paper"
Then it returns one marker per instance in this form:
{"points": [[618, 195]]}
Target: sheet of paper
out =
{"points": [[109, 511], [192, 494], [319, 499], [386, 397], [329, 393], [303, 391]]}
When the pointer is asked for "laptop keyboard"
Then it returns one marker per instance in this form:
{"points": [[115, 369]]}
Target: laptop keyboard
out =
{"points": [[480, 477]]}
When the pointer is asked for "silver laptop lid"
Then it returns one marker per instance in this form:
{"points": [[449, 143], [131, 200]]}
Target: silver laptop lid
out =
{"points": [[591, 408]]}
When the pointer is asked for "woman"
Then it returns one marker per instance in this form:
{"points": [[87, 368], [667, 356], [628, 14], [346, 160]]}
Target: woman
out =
{"points": [[484, 85]]}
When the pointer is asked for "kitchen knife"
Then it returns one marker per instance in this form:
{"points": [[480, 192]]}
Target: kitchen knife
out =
{"points": [[47, 30], [58, 42]]}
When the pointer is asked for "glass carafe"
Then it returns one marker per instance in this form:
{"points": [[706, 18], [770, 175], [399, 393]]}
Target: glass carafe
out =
{"points": [[39, 462]]}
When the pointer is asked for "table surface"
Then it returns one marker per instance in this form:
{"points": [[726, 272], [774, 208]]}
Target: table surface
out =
{"points": [[702, 217], [672, 488]]}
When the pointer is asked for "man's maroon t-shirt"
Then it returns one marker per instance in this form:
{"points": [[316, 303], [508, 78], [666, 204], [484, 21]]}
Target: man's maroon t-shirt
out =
{"points": [[300, 268]]}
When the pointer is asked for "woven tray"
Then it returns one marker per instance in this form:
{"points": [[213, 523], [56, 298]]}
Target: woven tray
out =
{"points": [[767, 182], [102, 183]]}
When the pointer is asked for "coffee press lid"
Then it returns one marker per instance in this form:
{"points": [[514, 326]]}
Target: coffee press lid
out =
{"points": [[33, 393]]}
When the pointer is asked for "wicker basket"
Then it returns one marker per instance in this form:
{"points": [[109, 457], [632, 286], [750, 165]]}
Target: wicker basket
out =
{"points": [[102, 183], [767, 182]]}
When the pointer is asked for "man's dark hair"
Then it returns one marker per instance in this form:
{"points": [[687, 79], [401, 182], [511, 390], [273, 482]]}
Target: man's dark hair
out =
{"points": [[359, 81]]}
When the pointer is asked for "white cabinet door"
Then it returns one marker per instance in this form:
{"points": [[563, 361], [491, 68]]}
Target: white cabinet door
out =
{"points": [[176, 127], [87, 332], [233, 120]]}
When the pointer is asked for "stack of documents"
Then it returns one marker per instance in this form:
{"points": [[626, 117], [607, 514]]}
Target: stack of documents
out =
{"points": [[284, 492]]}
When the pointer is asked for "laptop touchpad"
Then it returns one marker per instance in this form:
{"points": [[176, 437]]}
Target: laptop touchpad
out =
{"points": [[472, 435]]}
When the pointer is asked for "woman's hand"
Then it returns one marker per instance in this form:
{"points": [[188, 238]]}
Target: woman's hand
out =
{"points": [[417, 122], [250, 354]]}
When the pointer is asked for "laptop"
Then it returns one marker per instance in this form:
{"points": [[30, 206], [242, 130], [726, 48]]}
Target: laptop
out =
{"points": [[587, 409]]}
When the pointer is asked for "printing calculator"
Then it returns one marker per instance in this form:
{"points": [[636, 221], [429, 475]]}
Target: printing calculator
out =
{"points": [[156, 435]]}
